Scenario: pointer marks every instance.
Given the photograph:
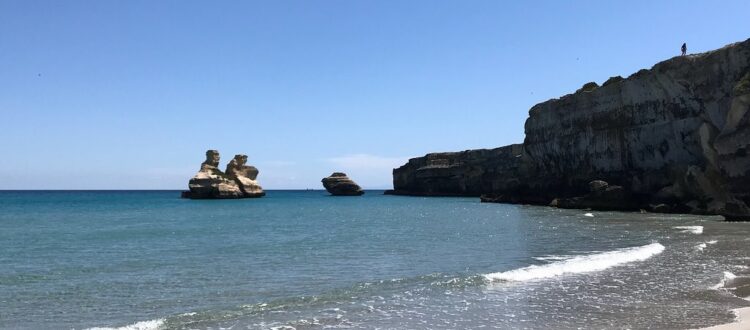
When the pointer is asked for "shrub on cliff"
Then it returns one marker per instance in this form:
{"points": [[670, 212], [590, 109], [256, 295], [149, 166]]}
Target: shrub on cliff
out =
{"points": [[743, 86], [588, 87]]}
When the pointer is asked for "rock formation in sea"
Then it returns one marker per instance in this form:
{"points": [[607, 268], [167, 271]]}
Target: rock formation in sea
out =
{"points": [[244, 176], [338, 184], [212, 183], [674, 138]]}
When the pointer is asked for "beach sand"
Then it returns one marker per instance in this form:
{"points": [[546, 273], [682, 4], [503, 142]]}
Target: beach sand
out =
{"points": [[741, 323]]}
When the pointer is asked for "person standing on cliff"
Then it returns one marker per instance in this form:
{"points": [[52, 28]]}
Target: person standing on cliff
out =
{"points": [[684, 48]]}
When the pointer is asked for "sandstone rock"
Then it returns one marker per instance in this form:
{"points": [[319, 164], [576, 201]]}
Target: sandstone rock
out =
{"points": [[669, 194], [695, 207], [677, 134], [212, 183], [338, 184], [567, 203], [238, 167], [660, 208], [493, 198], [602, 197], [736, 211], [598, 185], [244, 176]]}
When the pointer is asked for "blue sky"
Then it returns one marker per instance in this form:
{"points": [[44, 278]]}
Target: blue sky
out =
{"points": [[130, 94]]}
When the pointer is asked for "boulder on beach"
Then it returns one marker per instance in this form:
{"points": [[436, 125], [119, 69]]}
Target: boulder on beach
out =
{"points": [[338, 184], [212, 183], [601, 196]]}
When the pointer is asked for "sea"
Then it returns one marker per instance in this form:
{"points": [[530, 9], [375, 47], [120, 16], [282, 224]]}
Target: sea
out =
{"points": [[307, 260]]}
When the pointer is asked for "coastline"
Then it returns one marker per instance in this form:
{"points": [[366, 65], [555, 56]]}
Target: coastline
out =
{"points": [[741, 322], [631, 144], [430, 265]]}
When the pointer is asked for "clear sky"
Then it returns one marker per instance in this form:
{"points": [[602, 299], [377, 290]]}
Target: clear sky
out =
{"points": [[130, 94]]}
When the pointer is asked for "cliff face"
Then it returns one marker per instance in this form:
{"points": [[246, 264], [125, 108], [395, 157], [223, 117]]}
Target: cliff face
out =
{"points": [[676, 135], [465, 173]]}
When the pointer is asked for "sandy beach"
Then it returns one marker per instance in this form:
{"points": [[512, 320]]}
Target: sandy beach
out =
{"points": [[741, 323]]}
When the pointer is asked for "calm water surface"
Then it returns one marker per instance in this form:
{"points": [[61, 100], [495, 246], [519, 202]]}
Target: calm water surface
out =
{"points": [[306, 260]]}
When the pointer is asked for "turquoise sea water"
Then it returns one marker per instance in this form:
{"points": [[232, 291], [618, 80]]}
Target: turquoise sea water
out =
{"points": [[306, 260]]}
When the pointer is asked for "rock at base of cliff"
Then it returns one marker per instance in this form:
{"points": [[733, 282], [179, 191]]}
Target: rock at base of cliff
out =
{"points": [[735, 210], [338, 184], [499, 198], [602, 197], [598, 185], [660, 208]]}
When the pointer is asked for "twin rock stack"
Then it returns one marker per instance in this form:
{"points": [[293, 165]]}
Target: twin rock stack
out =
{"points": [[238, 181]]}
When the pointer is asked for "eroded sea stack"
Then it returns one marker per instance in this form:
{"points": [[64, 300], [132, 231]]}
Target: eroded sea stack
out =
{"points": [[338, 184], [237, 182], [674, 138]]}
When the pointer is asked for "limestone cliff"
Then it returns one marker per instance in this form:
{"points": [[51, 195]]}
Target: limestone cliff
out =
{"points": [[464, 173], [676, 136]]}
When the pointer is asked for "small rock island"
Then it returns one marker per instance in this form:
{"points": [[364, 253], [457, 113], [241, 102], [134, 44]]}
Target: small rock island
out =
{"points": [[238, 181], [338, 184]]}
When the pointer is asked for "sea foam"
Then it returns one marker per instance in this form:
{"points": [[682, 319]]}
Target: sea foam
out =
{"points": [[691, 229], [702, 246], [579, 264], [728, 277], [143, 325]]}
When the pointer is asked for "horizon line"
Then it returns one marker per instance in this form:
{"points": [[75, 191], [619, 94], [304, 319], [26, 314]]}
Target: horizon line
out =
{"points": [[288, 189]]}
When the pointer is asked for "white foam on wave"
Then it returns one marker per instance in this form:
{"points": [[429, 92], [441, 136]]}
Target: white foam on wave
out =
{"points": [[590, 215], [579, 264], [702, 246], [691, 229], [728, 276], [553, 258], [143, 325]]}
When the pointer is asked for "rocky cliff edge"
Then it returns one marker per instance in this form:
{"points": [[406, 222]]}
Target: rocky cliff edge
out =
{"points": [[674, 138]]}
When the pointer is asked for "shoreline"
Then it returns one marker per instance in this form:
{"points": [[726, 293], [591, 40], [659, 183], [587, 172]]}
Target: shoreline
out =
{"points": [[742, 321]]}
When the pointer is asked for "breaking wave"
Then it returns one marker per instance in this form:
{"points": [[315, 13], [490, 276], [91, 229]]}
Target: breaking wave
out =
{"points": [[579, 264], [691, 229], [702, 246], [728, 277], [143, 325]]}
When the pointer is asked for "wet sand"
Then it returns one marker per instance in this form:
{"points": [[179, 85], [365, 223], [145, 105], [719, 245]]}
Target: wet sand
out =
{"points": [[741, 323]]}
